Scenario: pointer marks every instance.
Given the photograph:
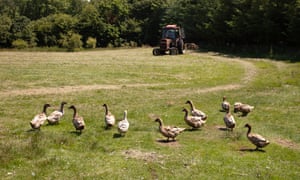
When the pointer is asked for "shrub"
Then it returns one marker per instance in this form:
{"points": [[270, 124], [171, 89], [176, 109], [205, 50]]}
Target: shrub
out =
{"points": [[91, 42], [71, 41], [19, 44]]}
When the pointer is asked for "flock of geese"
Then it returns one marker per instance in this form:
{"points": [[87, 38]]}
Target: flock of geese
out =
{"points": [[77, 120], [194, 118]]}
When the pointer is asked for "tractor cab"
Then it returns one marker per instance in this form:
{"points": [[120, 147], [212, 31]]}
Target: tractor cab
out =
{"points": [[171, 41]]}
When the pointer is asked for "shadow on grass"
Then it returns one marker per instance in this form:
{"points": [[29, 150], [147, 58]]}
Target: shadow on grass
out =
{"points": [[33, 130], [165, 141], [78, 133], [193, 129], [223, 129], [56, 124], [282, 53], [252, 150], [117, 135]]}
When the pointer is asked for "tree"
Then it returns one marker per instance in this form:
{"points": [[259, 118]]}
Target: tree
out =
{"points": [[22, 29], [51, 28], [148, 14], [114, 14], [293, 31], [5, 26], [90, 24]]}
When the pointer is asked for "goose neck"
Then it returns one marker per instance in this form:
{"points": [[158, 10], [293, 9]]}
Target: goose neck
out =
{"points": [[249, 130], [75, 112]]}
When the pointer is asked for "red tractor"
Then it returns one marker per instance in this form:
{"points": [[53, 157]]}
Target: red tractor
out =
{"points": [[171, 42]]}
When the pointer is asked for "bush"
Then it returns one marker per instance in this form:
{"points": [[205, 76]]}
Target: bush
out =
{"points": [[19, 44], [71, 41], [91, 42]]}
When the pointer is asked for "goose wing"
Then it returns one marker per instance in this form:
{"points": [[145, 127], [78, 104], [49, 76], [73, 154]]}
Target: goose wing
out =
{"points": [[177, 130], [173, 130], [55, 116], [39, 118], [110, 119], [123, 126], [225, 105], [229, 120], [78, 122], [257, 139], [197, 112]]}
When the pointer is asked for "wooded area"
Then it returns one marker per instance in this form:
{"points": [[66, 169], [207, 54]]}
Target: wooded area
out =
{"points": [[115, 23]]}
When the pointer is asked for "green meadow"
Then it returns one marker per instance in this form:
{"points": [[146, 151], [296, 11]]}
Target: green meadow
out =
{"points": [[148, 87]]}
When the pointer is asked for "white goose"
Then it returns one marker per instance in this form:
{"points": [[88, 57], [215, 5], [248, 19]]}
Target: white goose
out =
{"points": [[77, 120], [55, 116], [109, 118], [40, 118], [229, 120], [196, 112], [123, 125]]}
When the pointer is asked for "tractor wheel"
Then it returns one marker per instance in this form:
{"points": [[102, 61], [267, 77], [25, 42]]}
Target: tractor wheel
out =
{"points": [[180, 46], [156, 52]]}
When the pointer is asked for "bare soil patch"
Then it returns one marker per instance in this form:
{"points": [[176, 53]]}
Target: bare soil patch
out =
{"points": [[287, 143], [145, 156], [170, 143], [70, 89]]}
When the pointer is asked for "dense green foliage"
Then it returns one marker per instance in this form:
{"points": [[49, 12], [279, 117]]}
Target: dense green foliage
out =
{"points": [[45, 23]]}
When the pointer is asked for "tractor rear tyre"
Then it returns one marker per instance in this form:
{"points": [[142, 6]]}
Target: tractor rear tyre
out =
{"points": [[180, 46], [156, 52]]}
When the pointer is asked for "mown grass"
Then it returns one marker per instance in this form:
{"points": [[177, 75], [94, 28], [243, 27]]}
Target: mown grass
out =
{"points": [[56, 152]]}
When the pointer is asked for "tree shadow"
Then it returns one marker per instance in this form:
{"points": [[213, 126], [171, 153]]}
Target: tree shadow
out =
{"points": [[276, 53]]}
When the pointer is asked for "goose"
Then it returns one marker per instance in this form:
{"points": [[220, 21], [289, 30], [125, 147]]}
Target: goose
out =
{"points": [[193, 121], [40, 118], [225, 104], [78, 121], [196, 112], [168, 131], [109, 117], [55, 116], [256, 139], [229, 120], [243, 108], [123, 125]]}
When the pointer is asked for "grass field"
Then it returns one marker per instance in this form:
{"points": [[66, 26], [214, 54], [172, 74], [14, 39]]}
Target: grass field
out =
{"points": [[147, 86]]}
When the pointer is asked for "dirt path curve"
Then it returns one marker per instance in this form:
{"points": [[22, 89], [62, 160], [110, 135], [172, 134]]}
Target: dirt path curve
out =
{"points": [[250, 72]]}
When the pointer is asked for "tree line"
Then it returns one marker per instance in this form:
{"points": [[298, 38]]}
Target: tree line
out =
{"points": [[115, 23]]}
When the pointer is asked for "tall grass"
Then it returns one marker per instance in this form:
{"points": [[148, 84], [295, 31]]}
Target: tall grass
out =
{"points": [[147, 86]]}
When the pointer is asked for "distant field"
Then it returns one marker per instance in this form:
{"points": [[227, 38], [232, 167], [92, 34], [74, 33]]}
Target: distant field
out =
{"points": [[147, 86]]}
